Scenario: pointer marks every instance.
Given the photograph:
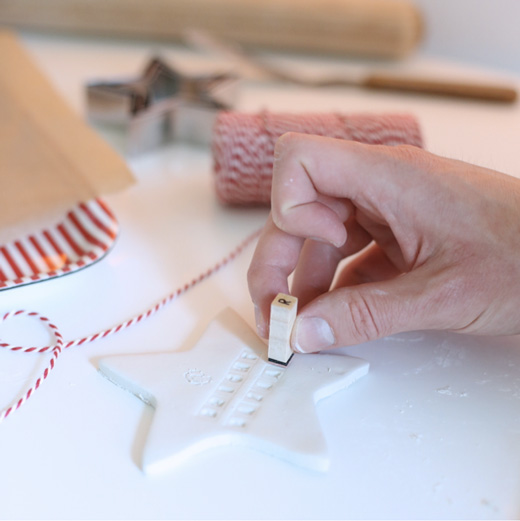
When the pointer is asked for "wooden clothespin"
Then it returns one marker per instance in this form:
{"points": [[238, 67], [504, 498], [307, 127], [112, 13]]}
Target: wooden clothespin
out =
{"points": [[283, 315]]}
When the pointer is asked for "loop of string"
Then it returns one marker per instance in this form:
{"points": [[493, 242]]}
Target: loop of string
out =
{"points": [[57, 347]]}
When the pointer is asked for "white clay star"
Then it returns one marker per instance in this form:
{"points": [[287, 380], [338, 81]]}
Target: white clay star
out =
{"points": [[223, 392]]}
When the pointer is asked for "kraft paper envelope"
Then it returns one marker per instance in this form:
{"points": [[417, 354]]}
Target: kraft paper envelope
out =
{"points": [[49, 158]]}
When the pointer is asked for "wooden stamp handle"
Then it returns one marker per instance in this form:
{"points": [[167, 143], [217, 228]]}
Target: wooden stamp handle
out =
{"points": [[283, 315]]}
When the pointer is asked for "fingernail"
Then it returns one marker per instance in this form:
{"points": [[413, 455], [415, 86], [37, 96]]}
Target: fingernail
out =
{"points": [[312, 334], [261, 326]]}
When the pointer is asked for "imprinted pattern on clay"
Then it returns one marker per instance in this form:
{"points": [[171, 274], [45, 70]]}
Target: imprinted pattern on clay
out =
{"points": [[223, 393], [240, 393]]}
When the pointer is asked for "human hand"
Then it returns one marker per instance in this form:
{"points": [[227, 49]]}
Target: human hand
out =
{"points": [[438, 243]]}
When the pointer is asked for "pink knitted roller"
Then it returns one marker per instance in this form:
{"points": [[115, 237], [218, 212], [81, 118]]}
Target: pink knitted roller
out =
{"points": [[243, 145]]}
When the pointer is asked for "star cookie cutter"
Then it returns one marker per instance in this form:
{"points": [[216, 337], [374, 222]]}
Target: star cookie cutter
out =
{"points": [[161, 105]]}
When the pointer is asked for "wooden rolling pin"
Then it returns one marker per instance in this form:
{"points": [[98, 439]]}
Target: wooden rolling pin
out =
{"points": [[459, 89], [378, 28], [251, 64]]}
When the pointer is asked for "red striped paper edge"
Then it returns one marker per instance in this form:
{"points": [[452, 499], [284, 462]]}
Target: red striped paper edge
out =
{"points": [[84, 235]]}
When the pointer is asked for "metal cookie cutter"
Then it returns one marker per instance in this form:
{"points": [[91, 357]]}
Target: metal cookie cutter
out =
{"points": [[162, 104]]}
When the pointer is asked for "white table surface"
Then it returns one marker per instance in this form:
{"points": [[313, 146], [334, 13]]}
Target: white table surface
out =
{"points": [[433, 431]]}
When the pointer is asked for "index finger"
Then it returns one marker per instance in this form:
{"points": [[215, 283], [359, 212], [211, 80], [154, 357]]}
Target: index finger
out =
{"points": [[317, 180], [274, 259]]}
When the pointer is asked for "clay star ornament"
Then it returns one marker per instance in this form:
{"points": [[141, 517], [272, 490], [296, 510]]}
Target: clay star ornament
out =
{"points": [[223, 392]]}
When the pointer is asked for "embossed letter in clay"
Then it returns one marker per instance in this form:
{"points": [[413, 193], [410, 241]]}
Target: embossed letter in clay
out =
{"points": [[223, 392]]}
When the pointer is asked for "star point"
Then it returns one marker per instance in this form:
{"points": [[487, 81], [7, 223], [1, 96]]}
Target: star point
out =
{"points": [[223, 392]]}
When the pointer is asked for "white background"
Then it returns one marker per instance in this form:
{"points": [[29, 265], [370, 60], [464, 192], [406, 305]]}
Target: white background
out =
{"points": [[483, 32], [432, 432]]}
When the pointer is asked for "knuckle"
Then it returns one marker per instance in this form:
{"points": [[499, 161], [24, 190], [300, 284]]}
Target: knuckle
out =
{"points": [[252, 275], [255, 276], [365, 324], [410, 152], [413, 156], [285, 143], [256, 281], [289, 138]]}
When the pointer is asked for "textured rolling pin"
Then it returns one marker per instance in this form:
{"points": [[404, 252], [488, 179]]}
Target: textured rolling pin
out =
{"points": [[385, 28], [243, 145]]}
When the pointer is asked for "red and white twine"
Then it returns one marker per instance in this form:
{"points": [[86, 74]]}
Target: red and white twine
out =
{"points": [[56, 348], [243, 144]]}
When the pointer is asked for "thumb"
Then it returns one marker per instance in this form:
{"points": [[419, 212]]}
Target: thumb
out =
{"points": [[353, 315]]}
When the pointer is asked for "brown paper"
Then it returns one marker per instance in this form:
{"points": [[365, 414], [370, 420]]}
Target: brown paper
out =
{"points": [[49, 158]]}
